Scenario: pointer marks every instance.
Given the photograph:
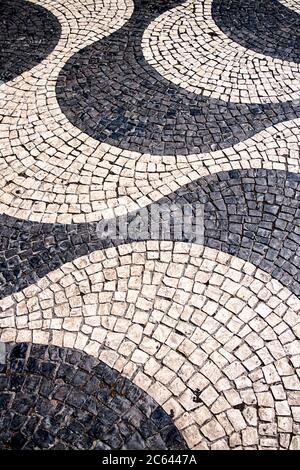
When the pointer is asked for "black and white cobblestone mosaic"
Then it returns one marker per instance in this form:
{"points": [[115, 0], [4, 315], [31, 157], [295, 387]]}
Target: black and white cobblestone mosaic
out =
{"points": [[28, 33], [110, 92], [109, 108], [252, 214], [57, 398], [265, 26]]}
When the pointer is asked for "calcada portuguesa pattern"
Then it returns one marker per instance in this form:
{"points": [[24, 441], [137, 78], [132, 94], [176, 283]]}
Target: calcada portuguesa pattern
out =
{"points": [[158, 339]]}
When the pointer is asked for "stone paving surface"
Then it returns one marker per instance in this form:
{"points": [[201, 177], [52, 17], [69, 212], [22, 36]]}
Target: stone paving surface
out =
{"points": [[109, 91], [55, 398], [155, 341], [265, 26], [28, 34]]}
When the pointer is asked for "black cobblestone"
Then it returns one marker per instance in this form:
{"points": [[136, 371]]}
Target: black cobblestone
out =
{"points": [[28, 33], [54, 414], [265, 26]]}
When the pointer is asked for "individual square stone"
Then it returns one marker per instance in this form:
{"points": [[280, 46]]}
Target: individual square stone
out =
{"points": [[234, 370], [236, 419], [209, 396], [250, 437], [213, 430]]}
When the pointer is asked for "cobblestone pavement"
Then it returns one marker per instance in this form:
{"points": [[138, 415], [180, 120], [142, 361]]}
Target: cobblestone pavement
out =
{"points": [[59, 398], [157, 340]]}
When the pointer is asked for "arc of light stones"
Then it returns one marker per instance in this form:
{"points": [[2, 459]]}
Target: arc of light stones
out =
{"points": [[187, 47], [52, 172], [291, 4], [104, 184], [211, 338], [265, 26]]}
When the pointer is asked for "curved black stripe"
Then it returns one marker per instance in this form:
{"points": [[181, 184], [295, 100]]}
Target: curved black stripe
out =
{"points": [[265, 26], [110, 92], [59, 398], [252, 214], [28, 33]]}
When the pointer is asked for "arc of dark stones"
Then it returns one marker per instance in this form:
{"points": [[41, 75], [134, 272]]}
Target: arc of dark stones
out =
{"points": [[59, 398], [265, 26], [252, 214], [110, 92], [28, 33]]}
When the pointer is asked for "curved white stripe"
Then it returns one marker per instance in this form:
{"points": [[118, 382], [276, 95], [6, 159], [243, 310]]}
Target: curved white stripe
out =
{"points": [[291, 4], [181, 321], [179, 46], [102, 183]]}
